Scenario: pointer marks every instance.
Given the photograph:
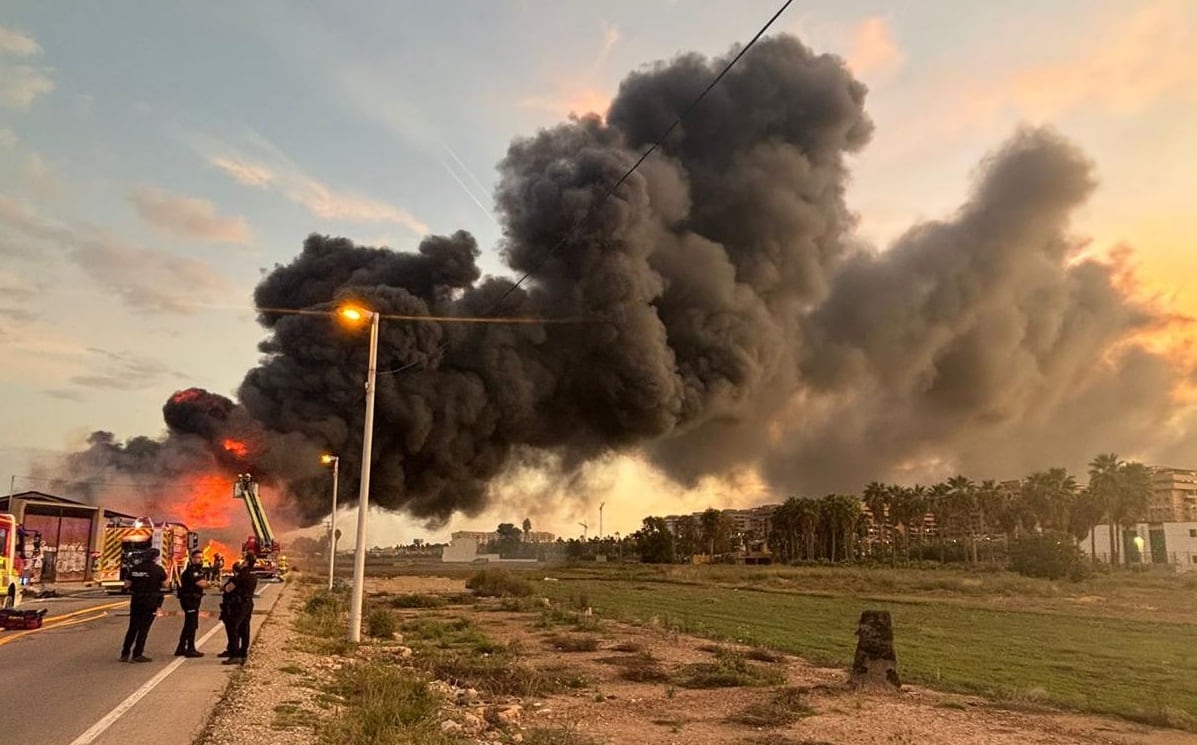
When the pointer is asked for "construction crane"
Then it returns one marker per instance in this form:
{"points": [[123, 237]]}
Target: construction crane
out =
{"points": [[268, 559]]}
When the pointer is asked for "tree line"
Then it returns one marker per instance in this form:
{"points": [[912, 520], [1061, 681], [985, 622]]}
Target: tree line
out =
{"points": [[919, 519]]}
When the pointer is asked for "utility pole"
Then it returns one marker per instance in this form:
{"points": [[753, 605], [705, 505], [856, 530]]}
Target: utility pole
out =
{"points": [[332, 517], [363, 499]]}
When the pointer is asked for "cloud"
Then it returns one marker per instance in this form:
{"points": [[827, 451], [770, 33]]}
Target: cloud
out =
{"points": [[143, 278], [250, 174], [21, 84], [187, 216], [873, 50], [315, 196], [18, 44], [40, 179], [588, 101], [610, 39], [123, 372], [65, 394], [8, 140], [1124, 62]]}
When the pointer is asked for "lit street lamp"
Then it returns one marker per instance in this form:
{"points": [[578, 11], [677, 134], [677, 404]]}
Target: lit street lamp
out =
{"points": [[354, 314], [332, 516]]}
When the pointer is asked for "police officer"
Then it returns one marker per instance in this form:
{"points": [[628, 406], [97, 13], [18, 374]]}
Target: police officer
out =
{"points": [[240, 589], [191, 594], [145, 582]]}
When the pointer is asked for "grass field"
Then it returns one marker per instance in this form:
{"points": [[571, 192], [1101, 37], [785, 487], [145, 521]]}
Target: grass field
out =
{"points": [[1098, 647]]}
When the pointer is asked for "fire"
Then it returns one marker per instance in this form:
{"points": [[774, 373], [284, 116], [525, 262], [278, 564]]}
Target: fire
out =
{"points": [[236, 447], [215, 547], [190, 394], [205, 502]]}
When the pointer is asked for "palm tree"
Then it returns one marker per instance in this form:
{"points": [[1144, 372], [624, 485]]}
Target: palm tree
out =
{"points": [[877, 499], [808, 524], [709, 523], [960, 503], [1104, 484], [1051, 496], [936, 505], [989, 499], [1086, 514], [784, 530], [1134, 494]]}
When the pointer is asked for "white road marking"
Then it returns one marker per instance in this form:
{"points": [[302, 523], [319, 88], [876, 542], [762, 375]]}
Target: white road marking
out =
{"points": [[110, 718]]}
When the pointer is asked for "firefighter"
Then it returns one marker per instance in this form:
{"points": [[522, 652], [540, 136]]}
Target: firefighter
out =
{"points": [[240, 596], [191, 594], [145, 582], [217, 567]]}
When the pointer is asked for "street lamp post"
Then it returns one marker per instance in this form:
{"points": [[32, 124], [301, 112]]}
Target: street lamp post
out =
{"points": [[332, 516], [363, 499], [601, 506]]}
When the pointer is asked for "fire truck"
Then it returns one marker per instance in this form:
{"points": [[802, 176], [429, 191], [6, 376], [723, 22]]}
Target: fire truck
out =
{"points": [[269, 563], [10, 562], [126, 542]]}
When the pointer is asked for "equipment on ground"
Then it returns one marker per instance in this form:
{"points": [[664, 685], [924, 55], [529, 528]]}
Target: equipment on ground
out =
{"points": [[11, 563], [269, 563], [12, 618], [126, 542]]}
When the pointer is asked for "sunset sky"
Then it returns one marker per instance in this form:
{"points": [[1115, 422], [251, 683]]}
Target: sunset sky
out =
{"points": [[157, 157]]}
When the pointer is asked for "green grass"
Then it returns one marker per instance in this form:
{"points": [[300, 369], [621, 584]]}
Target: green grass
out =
{"points": [[1134, 668], [383, 705]]}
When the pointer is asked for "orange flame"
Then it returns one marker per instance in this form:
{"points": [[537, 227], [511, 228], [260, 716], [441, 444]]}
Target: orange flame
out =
{"points": [[206, 502], [236, 447], [214, 547]]}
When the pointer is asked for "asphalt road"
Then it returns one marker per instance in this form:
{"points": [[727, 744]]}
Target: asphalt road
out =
{"points": [[64, 679]]}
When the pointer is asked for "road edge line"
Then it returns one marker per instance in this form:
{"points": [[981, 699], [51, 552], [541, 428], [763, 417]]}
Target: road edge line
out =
{"points": [[110, 718]]}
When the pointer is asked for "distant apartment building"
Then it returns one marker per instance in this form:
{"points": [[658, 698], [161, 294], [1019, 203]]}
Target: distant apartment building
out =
{"points": [[485, 536], [1174, 495], [751, 522]]}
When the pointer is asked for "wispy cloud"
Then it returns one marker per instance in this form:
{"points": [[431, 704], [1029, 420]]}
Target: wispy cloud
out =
{"points": [[8, 139], [610, 39], [144, 278], [579, 93], [250, 174], [873, 50], [1130, 58], [21, 84], [188, 217], [588, 101], [18, 44], [284, 176], [116, 371]]}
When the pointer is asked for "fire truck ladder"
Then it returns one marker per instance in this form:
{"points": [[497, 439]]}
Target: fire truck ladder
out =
{"points": [[247, 489]]}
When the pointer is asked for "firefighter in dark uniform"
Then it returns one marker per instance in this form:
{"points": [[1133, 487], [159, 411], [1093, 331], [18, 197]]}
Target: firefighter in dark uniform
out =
{"points": [[145, 582], [239, 593], [191, 594]]}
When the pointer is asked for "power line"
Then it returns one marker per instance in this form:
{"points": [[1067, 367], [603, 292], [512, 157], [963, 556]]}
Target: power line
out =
{"points": [[627, 174]]}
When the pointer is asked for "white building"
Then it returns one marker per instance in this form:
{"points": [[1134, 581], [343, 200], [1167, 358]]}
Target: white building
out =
{"points": [[1149, 543]]}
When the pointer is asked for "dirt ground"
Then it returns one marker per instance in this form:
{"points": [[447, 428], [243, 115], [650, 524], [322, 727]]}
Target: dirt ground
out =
{"points": [[612, 710]]}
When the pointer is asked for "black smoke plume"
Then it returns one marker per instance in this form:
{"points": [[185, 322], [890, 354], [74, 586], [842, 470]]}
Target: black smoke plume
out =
{"points": [[729, 319]]}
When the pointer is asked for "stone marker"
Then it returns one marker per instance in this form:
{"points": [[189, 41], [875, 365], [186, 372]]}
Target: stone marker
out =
{"points": [[876, 666]]}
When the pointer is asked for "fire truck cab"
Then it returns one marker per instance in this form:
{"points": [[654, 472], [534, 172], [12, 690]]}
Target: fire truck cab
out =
{"points": [[127, 542], [10, 562]]}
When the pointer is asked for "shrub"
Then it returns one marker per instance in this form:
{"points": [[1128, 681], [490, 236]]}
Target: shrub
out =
{"points": [[1049, 555], [416, 600], [499, 583], [380, 624]]}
